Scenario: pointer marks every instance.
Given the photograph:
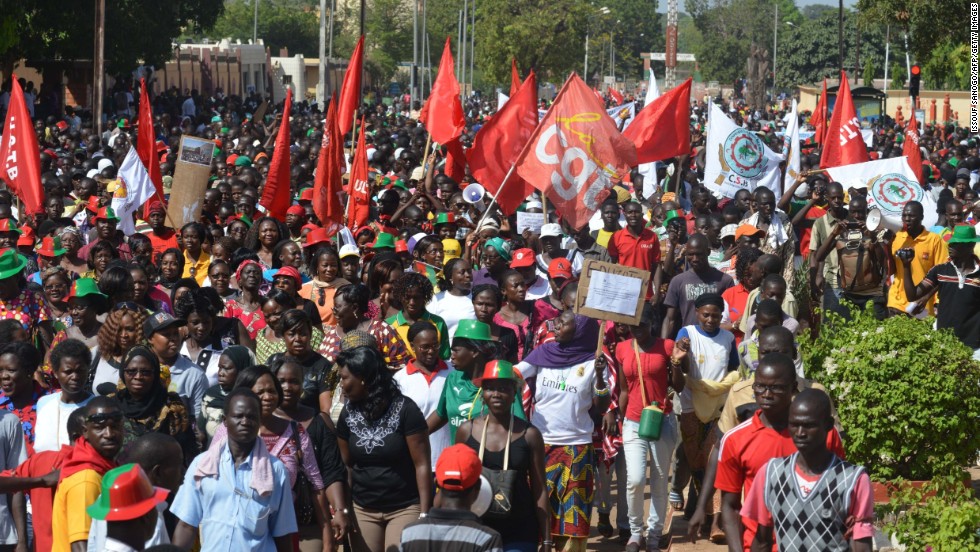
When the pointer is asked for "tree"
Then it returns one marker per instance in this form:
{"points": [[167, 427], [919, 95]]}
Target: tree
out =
{"points": [[290, 24], [638, 30], [923, 20], [536, 32], [869, 72], [135, 30], [898, 76]]}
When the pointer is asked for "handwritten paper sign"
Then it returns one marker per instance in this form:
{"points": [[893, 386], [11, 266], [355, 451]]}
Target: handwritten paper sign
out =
{"points": [[609, 291], [530, 221]]}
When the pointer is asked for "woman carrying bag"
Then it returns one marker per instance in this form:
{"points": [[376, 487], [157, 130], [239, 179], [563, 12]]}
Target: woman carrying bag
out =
{"points": [[649, 424], [512, 452]]}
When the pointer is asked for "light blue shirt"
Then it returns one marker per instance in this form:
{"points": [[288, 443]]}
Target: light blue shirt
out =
{"points": [[230, 515]]}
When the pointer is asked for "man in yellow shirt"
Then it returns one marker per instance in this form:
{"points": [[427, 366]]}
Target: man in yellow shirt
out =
{"points": [[929, 250], [80, 482]]}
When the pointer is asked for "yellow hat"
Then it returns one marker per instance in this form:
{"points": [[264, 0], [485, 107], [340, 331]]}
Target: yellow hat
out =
{"points": [[451, 249]]}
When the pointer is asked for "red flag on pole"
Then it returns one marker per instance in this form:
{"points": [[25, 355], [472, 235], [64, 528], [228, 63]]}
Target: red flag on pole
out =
{"points": [[19, 152], [662, 129], [146, 146], [576, 153], [446, 121], [819, 117], [359, 202], [615, 95], [515, 78], [844, 144], [498, 144], [350, 91], [910, 149], [276, 195], [327, 184]]}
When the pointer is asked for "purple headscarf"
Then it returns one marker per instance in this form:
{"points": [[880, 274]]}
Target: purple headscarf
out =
{"points": [[562, 355]]}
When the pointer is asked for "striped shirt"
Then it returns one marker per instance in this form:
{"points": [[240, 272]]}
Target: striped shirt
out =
{"points": [[445, 530]]}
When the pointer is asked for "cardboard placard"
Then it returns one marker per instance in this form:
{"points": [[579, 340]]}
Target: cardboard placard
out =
{"points": [[609, 291], [191, 173], [530, 221], [259, 115]]}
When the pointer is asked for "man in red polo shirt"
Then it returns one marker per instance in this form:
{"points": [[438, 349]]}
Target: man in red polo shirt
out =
{"points": [[744, 450], [638, 247]]}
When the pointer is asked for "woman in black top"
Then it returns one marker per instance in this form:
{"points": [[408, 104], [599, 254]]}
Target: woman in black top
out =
{"points": [[207, 333], [528, 519], [378, 431], [296, 329], [332, 469], [487, 299]]}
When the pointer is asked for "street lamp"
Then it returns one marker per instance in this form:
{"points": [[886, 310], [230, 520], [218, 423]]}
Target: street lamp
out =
{"points": [[602, 11]]}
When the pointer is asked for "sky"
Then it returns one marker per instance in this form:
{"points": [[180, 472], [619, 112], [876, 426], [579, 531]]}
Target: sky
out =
{"points": [[662, 4]]}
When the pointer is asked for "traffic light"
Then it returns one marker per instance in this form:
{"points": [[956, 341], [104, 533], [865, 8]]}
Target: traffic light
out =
{"points": [[916, 72]]}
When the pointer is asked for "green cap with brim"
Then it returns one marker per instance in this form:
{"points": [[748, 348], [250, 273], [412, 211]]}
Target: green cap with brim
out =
{"points": [[964, 233], [11, 263], [384, 240], [671, 215], [473, 329]]}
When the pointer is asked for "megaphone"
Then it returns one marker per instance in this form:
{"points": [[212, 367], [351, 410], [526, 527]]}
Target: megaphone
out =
{"points": [[474, 194], [873, 222]]}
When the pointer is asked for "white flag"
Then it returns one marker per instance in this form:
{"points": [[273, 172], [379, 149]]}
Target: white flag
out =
{"points": [[133, 188], [501, 100], [737, 159], [890, 184], [652, 91], [626, 112], [791, 147]]}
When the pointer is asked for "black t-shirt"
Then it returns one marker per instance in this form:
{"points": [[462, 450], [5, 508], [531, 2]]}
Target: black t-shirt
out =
{"points": [[958, 308], [328, 458], [383, 474], [315, 371]]}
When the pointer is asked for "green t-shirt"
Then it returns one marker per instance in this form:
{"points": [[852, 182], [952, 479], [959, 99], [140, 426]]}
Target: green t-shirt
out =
{"points": [[461, 400]]}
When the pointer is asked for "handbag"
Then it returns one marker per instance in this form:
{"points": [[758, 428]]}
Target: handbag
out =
{"points": [[502, 482], [303, 493], [652, 415]]}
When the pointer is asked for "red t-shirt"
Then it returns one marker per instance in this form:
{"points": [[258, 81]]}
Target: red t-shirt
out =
{"points": [[42, 498], [812, 215], [641, 251], [736, 297], [655, 381], [744, 450], [163, 242]]}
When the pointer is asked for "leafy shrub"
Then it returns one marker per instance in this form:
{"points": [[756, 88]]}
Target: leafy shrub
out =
{"points": [[908, 396], [942, 516]]}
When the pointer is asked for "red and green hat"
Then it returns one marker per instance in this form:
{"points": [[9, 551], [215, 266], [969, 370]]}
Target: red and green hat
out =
{"points": [[126, 494], [83, 287], [106, 213], [498, 369], [51, 247], [9, 225], [384, 240], [445, 218], [671, 215]]}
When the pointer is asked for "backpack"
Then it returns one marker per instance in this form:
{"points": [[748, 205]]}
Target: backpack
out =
{"points": [[859, 269]]}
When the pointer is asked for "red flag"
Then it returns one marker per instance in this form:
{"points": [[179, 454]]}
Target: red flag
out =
{"points": [[447, 121], [146, 146], [359, 202], [844, 145], [515, 78], [350, 91], [615, 95], [911, 147], [327, 184], [498, 144], [662, 129], [575, 153], [455, 161], [19, 152], [819, 117], [276, 195]]}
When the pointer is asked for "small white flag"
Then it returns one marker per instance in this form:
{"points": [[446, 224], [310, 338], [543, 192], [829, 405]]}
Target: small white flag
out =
{"points": [[132, 189]]}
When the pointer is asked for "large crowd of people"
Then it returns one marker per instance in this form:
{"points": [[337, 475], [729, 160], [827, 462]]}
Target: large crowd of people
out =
{"points": [[249, 383]]}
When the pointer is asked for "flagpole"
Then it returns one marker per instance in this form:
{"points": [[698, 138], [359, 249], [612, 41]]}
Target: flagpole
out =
{"points": [[425, 157], [494, 199]]}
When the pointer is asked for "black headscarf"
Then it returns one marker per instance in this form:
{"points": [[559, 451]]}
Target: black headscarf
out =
{"points": [[155, 398]]}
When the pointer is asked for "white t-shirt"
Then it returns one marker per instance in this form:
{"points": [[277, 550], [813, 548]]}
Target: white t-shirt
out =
{"points": [[540, 288], [426, 395], [97, 532], [562, 399], [710, 358], [451, 308], [104, 373], [51, 427]]}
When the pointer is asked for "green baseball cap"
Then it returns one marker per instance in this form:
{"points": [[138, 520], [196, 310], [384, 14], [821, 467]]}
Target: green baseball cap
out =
{"points": [[243, 161], [473, 329]]}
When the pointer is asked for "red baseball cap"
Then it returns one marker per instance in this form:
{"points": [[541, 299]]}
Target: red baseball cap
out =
{"points": [[522, 258], [458, 468], [27, 236], [560, 268], [291, 272]]}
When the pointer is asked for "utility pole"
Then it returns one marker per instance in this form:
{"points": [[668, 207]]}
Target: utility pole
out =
{"points": [[415, 48], [98, 65], [462, 46], [472, 42], [255, 22], [775, 35], [321, 85], [840, 37], [333, 8]]}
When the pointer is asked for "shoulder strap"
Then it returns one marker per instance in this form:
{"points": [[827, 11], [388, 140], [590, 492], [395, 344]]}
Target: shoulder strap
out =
{"points": [[483, 440]]}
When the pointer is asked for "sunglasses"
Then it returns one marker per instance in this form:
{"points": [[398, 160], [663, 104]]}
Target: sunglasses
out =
{"points": [[103, 418], [128, 305]]}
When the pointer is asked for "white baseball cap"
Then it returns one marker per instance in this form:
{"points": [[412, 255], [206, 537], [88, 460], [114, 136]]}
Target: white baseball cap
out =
{"points": [[349, 250], [728, 230], [552, 230]]}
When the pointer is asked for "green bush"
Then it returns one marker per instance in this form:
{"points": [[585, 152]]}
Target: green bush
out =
{"points": [[908, 396], [942, 516]]}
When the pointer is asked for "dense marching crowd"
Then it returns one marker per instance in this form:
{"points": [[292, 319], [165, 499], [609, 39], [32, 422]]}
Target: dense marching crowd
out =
{"points": [[249, 383]]}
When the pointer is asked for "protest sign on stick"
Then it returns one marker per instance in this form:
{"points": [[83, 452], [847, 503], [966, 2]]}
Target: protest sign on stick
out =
{"points": [[191, 173], [610, 291]]}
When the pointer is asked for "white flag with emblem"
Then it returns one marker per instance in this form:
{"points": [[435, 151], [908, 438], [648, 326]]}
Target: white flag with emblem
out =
{"points": [[737, 159], [131, 190], [791, 147], [890, 184]]}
